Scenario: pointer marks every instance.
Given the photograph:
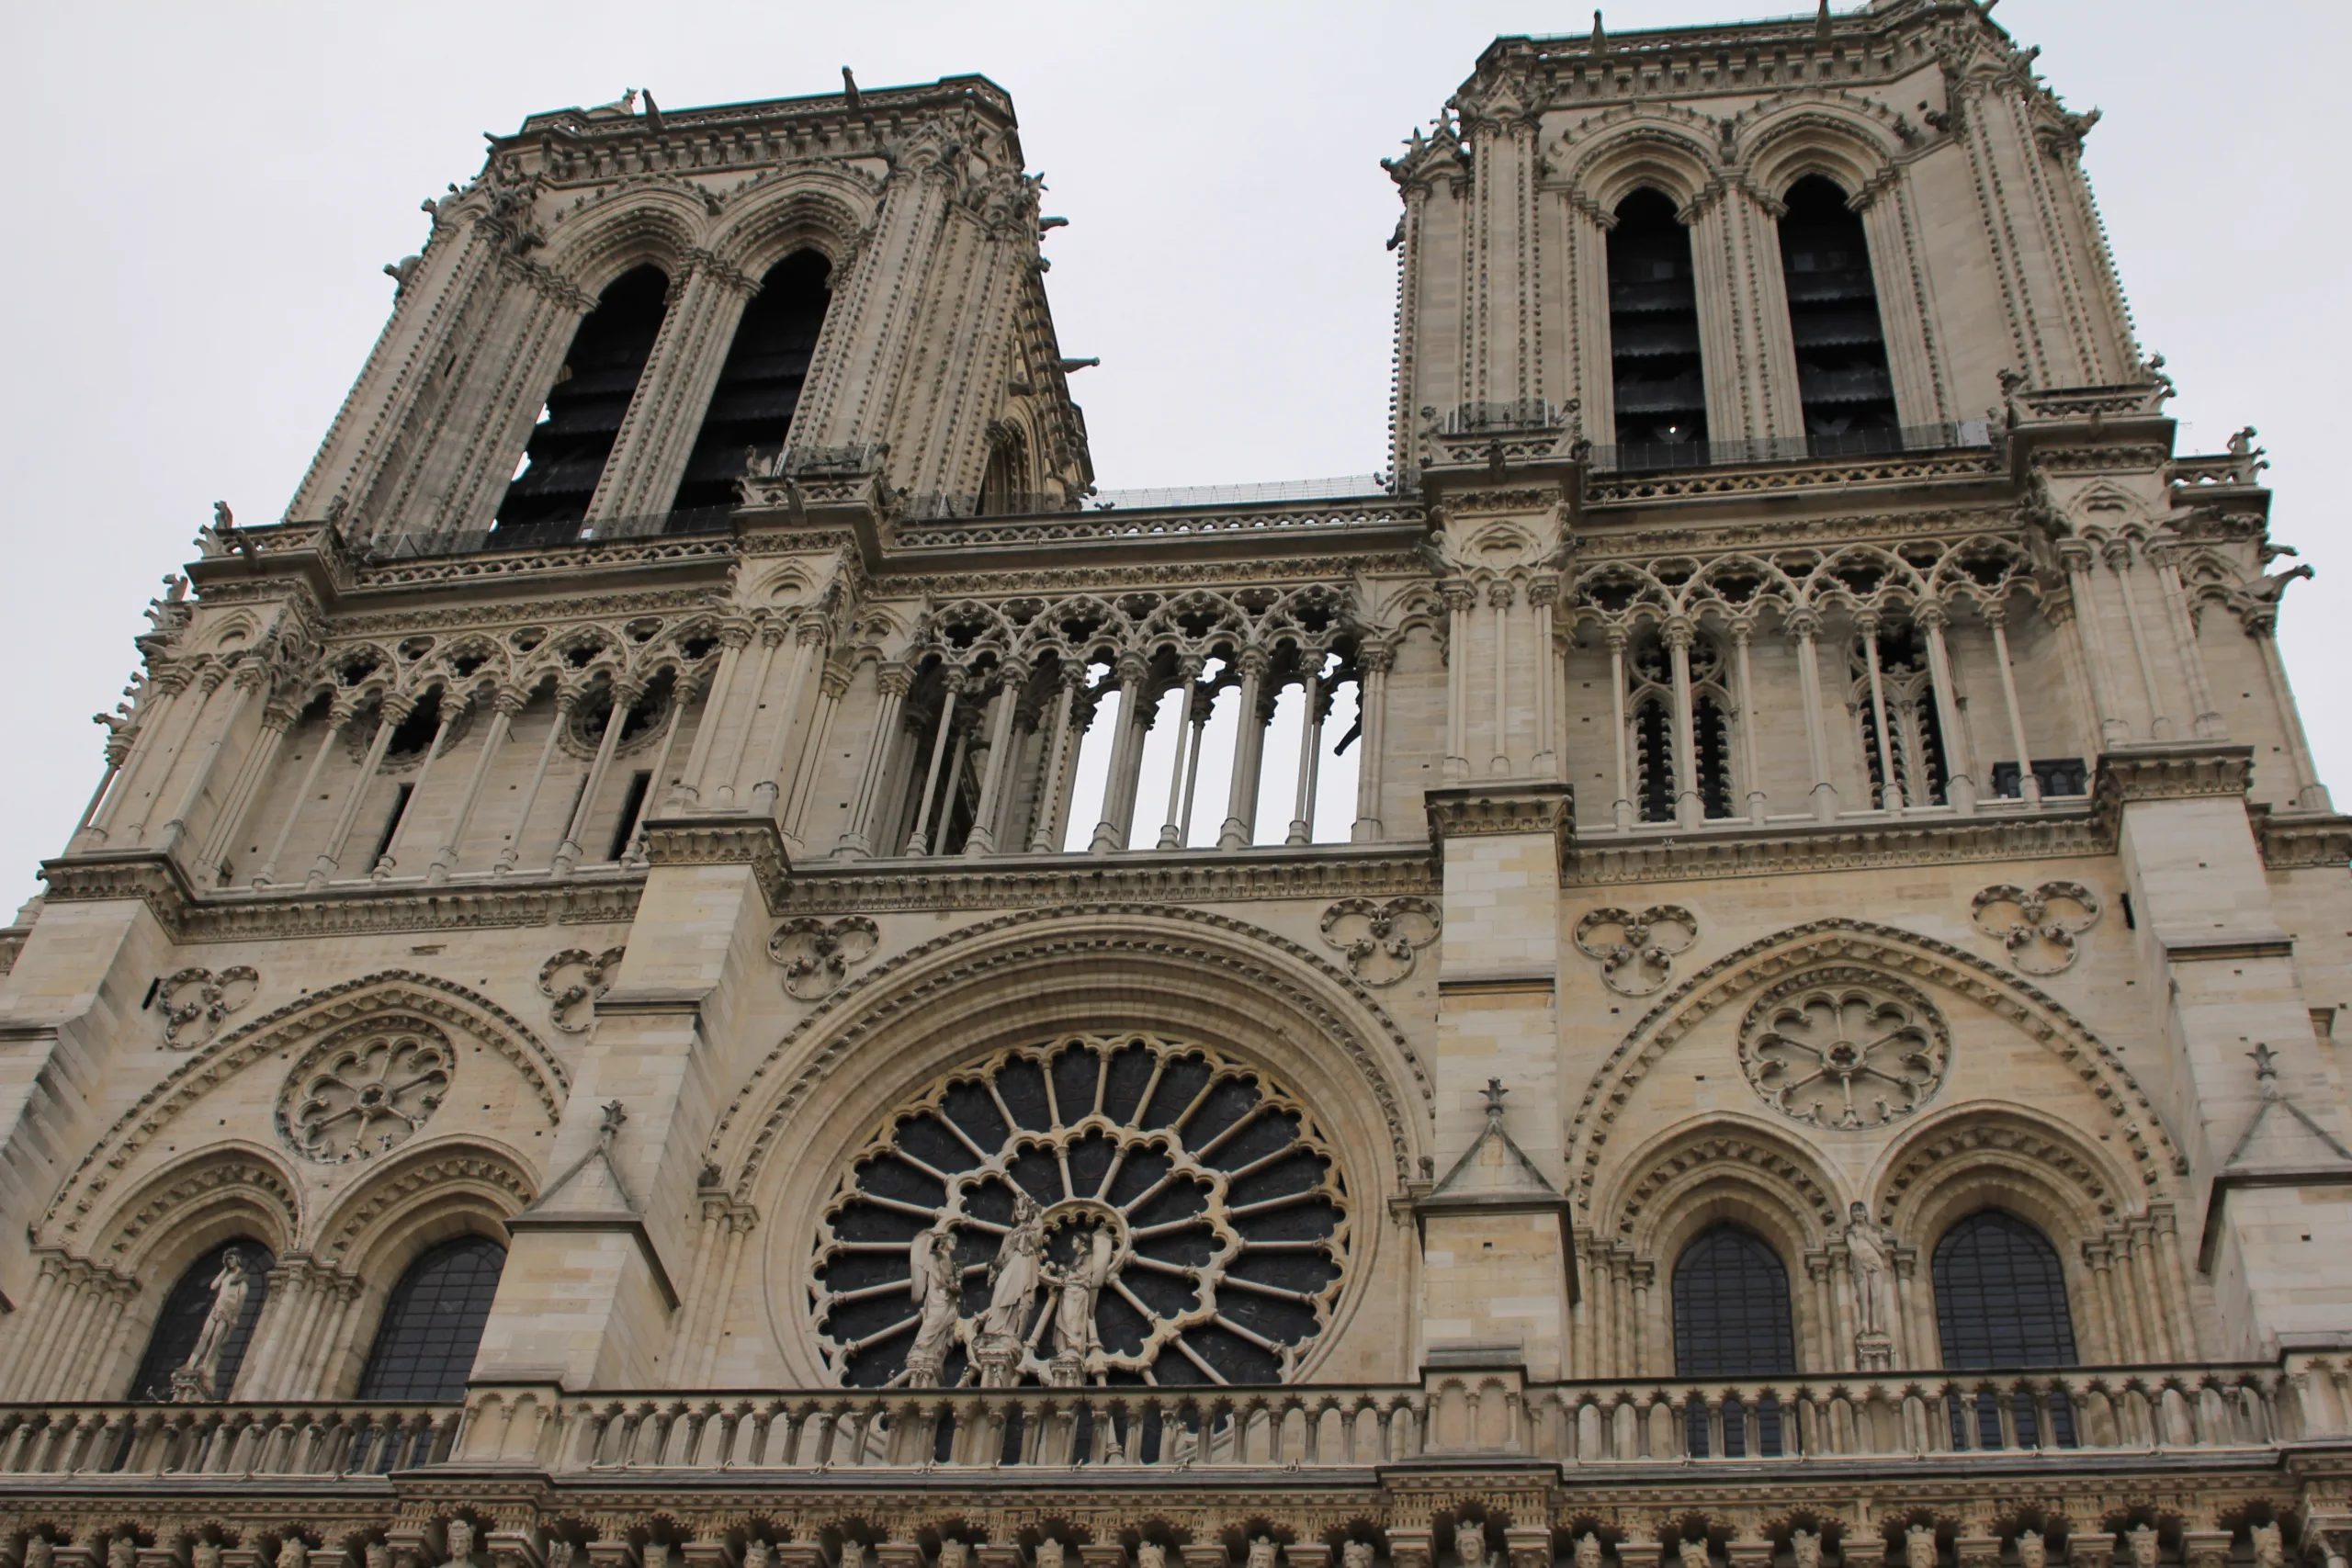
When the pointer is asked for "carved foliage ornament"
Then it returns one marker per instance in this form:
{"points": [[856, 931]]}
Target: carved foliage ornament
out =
{"points": [[1380, 937], [573, 981], [1636, 952], [363, 1090], [2039, 927], [194, 1001], [1849, 1048], [1097, 1207], [818, 954]]}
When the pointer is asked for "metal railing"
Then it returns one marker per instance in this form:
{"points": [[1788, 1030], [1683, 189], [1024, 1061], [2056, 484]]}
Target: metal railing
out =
{"points": [[1651, 456]]}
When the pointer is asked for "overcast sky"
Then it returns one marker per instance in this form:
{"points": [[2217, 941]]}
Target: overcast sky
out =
{"points": [[203, 195]]}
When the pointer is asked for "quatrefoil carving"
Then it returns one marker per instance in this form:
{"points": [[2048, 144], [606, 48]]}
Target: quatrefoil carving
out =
{"points": [[2038, 928], [818, 954], [195, 1000], [573, 1007], [1636, 952], [1380, 939]]}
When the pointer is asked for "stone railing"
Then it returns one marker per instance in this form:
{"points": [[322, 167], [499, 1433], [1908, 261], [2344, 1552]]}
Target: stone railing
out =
{"points": [[325, 1438], [1934, 1416], [1323, 516]]}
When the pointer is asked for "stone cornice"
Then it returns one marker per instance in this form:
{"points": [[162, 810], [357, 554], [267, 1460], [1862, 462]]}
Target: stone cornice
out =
{"points": [[1186, 876], [157, 880], [1739, 849], [2185, 770], [1478, 810], [2289, 842], [723, 841]]}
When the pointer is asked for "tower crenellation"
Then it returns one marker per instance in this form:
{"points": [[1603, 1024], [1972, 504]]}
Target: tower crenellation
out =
{"points": [[706, 949]]}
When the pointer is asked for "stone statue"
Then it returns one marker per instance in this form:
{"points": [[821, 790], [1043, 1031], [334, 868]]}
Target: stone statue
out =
{"points": [[122, 1551], [1151, 1554], [205, 1554], [230, 1288], [656, 1554], [1870, 1258], [852, 1556], [2270, 1548], [1919, 1542], [1078, 1285], [1014, 1276], [1469, 1544], [955, 1553], [39, 1551], [1806, 1545], [1356, 1554], [461, 1541], [1049, 1553], [292, 1552], [1262, 1550], [2143, 1542], [1588, 1553], [380, 1554], [560, 1552], [935, 1282], [2033, 1551], [1694, 1553]]}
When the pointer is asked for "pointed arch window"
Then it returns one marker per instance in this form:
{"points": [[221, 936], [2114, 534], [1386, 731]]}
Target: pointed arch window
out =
{"points": [[574, 436], [1914, 743], [2001, 1304], [179, 1328], [425, 1347], [1658, 375], [1843, 382], [1732, 1319], [1649, 707], [759, 387], [1005, 487]]}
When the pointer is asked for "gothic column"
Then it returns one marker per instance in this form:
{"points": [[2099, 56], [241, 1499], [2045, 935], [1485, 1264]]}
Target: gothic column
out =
{"points": [[1126, 754], [2075, 555], [1310, 740], [1373, 662], [2029, 786], [207, 680], [1960, 783], [1690, 805], [1042, 837], [625, 696], [1890, 782], [2205, 715], [2119, 554], [1743, 628], [1623, 807], [981, 841], [919, 841], [1186, 763], [807, 644], [1458, 602], [725, 771], [892, 683], [733, 637], [390, 711], [277, 717], [832, 684], [2311, 794], [167, 695], [1541, 597], [1803, 625], [1249, 751], [657, 432], [566, 701], [633, 841], [506, 705], [450, 709], [1499, 594]]}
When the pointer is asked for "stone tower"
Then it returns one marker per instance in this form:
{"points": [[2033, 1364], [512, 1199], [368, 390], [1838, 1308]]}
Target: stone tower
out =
{"points": [[707, 953]]}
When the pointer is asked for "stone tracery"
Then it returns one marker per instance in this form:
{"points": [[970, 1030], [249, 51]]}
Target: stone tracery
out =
{"points": [[1183, 1213]]}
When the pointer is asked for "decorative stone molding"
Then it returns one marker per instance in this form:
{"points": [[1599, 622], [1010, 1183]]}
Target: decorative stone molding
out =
{"points": [[1601, 860], [1731, 1150], [1844, 1047], [1183, 877], [573, 1008], [1639, 959], [2191, 772], [1888, 951], [194, 1001], [1476, 810], [818, 954], [371, 1000], [864, 1015], [707, 840], [1379, 940], [363, 1090], [2038, 928], [2296, 842]]}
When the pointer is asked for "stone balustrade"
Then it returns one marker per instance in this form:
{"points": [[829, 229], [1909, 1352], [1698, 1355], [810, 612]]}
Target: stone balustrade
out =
{"points": [[323, 1438]]}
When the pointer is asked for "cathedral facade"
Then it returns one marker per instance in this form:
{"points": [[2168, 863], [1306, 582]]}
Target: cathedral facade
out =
{"points": [[707, 955]]}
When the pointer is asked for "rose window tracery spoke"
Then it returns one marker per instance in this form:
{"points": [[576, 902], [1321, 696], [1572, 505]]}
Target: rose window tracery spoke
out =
{"points": [[1844, 1048], [365, 1096], [1101, 1209]]}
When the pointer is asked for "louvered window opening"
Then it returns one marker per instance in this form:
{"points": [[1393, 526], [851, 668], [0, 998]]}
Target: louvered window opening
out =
{"points": [[759, 388], [1915, 733], [425, 1349], [2001, 1304], [1843, 383], [573, 439], [178, 1325], [1732, 1319], [1660, 382]]}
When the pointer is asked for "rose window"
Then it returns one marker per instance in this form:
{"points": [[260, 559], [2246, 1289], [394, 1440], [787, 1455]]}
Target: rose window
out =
{"points": [[1096, 1209], [1844, 1048], [361, 1095]]}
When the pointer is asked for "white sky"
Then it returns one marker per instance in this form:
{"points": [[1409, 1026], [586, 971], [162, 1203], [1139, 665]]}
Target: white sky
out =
{"points": [[202, 197]]}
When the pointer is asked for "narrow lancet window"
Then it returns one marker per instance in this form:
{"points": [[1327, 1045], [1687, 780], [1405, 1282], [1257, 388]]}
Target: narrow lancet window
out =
{"points": [[760, 384], [583, 418], [1843, 382], [1661, 391]]}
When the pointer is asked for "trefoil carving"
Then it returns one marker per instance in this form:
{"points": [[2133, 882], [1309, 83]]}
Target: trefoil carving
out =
{"points": [[1381, 937], [1636, 952], [585, 978], [195, 1001], [2038, 928], [818, 954]]}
